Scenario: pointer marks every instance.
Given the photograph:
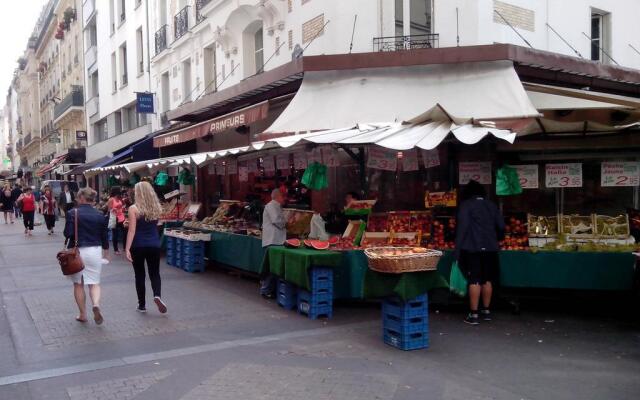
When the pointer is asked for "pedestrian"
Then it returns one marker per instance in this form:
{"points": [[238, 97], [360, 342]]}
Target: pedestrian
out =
{"points": [[7, 201], [48, 207], [15, 193], [116, 210], [67, 199], [274, 233], [143, 243], [93, 245], [27, 202], [479, 228]]}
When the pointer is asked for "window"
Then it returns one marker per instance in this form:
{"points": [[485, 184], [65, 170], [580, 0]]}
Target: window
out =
{"points": [[114, 72], [596, 36], [139, 51], [259, 51], [93, 85], [118, 122], [210, 72], [112, 16], [419, 13], [186, 80], [600, 37], [123, 64], [399, 17], [166, 99], [122, 14]]}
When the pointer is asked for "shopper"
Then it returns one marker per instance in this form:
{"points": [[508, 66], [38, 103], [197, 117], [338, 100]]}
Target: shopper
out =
{"points": [[48, 207], [274, 233], [143, 243], [116, 210], [94, 247], [479, 227], [27, 202], [67, 199], [15, 193], [7, 201]]}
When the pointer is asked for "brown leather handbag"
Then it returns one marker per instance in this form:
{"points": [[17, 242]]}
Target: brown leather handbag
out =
{"points": [[69, 259]]}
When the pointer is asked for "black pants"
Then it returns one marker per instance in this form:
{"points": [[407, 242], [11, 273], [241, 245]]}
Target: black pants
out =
{"points": [[50, 221], [150, 255], [27, 217], [118, 233]]}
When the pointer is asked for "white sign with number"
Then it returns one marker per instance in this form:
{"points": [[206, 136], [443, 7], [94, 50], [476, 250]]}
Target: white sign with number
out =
{"points": [[430, 158], [243, 174], [252, 166], [528, 174], [410, 161], [300, 160], [620, 174], [330, 157], [232, 166], [220, 169], [477, 171], [282, 161], [563, 175], [268, 164], [384, 159]]}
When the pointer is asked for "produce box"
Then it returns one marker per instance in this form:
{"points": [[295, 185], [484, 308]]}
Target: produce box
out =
{"points": [[441, 199], [399, 221], [378, 222], [542, 226], [354, 231], [360, 207], [614, 227], [577, 225], [421, 221]]}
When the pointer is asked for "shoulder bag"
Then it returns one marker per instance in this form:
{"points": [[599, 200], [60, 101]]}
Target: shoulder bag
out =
{"points": [[70, 260]]}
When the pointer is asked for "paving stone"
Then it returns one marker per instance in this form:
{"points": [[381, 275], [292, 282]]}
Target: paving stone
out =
{"points": [[117, 389]]}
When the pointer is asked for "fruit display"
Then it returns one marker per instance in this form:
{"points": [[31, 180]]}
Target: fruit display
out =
{"points": [[333, 240], [422, 222], [541, 226], [443, 235], [378, 223], [441, 199], [293, 243], [169, 210], [187, 234], [359, 207], [399, 221], [344, 244], [577, 225], [316, 244], [515, 234], [607, 226]]}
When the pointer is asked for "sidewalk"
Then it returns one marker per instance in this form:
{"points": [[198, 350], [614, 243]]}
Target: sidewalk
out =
{"points": [[221, 340]]}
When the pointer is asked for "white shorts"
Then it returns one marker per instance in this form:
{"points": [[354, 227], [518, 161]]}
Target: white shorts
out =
{"points": [[92, 260]]}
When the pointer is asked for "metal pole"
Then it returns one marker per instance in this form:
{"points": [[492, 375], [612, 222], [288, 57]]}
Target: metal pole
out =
{"points": [[514, 29], [565, 42], [601, 49], [457, 28]]}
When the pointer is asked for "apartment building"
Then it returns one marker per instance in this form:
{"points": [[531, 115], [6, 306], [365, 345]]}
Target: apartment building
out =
{"points": [[11, 127], [116, 60]]}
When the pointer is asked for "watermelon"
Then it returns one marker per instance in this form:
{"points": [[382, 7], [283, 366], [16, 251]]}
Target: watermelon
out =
{"points": [[333, 240], [293, 243], [316, 244]]}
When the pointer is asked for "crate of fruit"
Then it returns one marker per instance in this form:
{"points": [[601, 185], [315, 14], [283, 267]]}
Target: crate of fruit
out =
{"points": [[542, 226], [399, 221], [377, 222], [612, 227], [398, 260], [577, 226]]}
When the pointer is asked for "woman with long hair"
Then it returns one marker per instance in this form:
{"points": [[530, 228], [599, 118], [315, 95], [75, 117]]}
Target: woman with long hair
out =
{"points": [[28, 205], [143, 243], [48, 205], [7, 200], [116, 207]]}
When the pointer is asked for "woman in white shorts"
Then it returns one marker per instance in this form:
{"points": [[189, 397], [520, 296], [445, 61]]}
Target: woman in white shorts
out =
{"points": [[93, 244]]}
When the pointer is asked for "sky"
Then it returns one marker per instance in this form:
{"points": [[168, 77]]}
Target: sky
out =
{"points": [[17, 20]]}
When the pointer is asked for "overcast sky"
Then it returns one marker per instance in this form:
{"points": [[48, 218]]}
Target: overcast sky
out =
{"points": [[17, 21]]}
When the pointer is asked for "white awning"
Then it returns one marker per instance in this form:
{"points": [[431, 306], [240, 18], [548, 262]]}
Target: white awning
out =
{"points": [[548, 101], [609, 100], [346, 98]]}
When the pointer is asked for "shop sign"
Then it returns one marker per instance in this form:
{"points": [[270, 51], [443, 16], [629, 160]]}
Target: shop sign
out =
{"points": [[410, 161], [268, 164], [528, 175], [430, 158], [81, 135], [232, 166], [330, 157], [381, 158], [477, 171], [563, 175], [299, 161], [282, 162], [620, 174], [315, 155], [243, 174], [144, 103]]}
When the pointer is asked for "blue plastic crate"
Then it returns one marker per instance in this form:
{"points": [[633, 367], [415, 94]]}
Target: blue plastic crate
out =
{"points": [[416, 307], [405, 326], [321, 284], [319, 273], [191, 267], [314, 312], [191, 245], [412, 341], [287, 295], [320, 298]]}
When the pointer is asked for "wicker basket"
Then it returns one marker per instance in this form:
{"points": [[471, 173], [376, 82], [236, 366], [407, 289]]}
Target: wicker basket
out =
{"points": [[405, 260]]}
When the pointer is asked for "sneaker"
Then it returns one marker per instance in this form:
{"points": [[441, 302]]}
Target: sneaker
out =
{"points": [[161, 306], [486, 314], [141, 309], [471, 319]]}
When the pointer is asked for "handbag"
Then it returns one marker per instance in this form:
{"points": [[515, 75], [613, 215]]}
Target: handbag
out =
{"points": [[113, 221], [70, 260]]}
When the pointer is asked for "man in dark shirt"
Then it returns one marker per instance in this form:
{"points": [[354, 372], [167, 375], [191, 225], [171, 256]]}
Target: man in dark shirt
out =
{"points": [[15, 193], [480, 226]]}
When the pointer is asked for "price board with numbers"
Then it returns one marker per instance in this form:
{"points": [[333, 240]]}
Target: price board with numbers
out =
{"points": [[479, 171], [410, 160], [430, 158], [528, 174], [282, 161], [563, 175], [384, 159], [300, 160], [620, 174]]}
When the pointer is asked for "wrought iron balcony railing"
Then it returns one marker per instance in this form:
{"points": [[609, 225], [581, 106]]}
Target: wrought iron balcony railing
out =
{"points": [[398, 43], [200, 4], [181, 23], [162, 38], [74, 99]]}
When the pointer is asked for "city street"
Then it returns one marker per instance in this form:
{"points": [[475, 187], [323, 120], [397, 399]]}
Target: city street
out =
{"points": [[221, 340]]}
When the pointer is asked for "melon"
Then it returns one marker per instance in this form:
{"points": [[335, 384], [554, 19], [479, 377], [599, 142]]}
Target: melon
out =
{"points": [[333, 240], [293, 243], [316, 244]]}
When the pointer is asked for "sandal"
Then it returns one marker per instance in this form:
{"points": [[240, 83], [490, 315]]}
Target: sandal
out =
{"points": [[97, 315], [83, 320]]}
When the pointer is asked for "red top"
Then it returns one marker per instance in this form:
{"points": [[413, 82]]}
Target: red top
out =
{"points": [[28, 202], [117, 206]]}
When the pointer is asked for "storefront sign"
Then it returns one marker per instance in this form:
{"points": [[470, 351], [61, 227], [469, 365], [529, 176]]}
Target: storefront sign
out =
{"points": [[81, 135], [528, 175], [563, 175], [282, 162], [243, 174], [232, 166], [477, 171], [430, 158], [620, 174], [330, 157], [381, 158], [144, 103], [268, 164], [315, 155], [410, 160], [300, 160], [233, 120]]}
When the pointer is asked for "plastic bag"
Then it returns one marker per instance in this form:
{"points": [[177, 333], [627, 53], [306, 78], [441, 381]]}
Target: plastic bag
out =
{"points": [[317, 230], [315, 176], [457, 281], [112, 220], [507, 181]]}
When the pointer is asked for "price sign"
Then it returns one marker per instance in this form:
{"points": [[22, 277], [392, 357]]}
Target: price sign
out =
{"points": [[528, 175], [384, 159], [300, 160], [620, 174], [410, 160], [477, 171], [268, 164], [563, 175], [252, 166], [330, 157], [282, 161], [232, 166], [212, 169], [430, 158], [243, 174], [220, 169], [315, 155]]}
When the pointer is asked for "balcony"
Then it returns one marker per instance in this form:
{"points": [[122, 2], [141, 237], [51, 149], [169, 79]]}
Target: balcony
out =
{"points": [[93, 106], [398, 43], [91, 56], [181, 23], [200, 4], [162, 38], [72, 101]]}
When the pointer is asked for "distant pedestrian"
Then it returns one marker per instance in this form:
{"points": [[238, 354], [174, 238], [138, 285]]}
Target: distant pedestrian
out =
{"points": [[116, 210], [94, 247], [479, 227], [27, 202], [48, 207], [7, 201], [67, 199], [15, 193], [274, 233], [143, 243]]}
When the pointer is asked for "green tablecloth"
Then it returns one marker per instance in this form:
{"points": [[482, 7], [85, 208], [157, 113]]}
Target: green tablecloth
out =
{"points": [[406, 286], [238, 251], [293, 264]]}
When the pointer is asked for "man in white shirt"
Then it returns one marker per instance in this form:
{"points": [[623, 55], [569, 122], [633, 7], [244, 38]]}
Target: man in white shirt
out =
{"points": [[274, 233]]}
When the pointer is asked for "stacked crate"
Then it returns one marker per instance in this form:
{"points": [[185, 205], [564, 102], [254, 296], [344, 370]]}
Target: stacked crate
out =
{"points": [[405, 324], [319, 301], [171, 251], [287, 295], [192, 255]]}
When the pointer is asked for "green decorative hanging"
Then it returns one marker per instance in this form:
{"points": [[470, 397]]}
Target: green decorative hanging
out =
{"points": [[162, 179], [133, 179], [315, 176], [185, 178], [112, 181], [507, 181]]}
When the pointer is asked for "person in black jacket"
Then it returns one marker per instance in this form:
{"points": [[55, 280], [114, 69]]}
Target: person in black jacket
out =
{"points": [[93, 245], [67, 199], [15, 193], [479, 228]]}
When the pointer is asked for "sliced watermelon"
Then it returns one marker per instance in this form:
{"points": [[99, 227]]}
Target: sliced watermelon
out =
{"points": [[316, 244], [333, 240], [293, 243]]}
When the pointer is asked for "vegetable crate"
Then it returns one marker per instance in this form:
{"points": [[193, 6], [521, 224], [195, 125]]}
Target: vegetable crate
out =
{"points": [[191, 255], [287, 295], [405, 324], [171, 251], [319, 301]]}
